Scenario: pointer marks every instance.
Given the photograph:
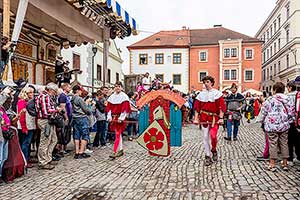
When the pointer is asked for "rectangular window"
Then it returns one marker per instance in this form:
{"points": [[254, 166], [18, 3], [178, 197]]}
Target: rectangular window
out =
{"points": [[264, 74], [202, 75], [117, 76], [234, 52], [76, 61], [275, 69], [268, 74], [108, 76], [226, 53], [99, 72], [264, 57], [203, 56], [271, 30], [226, 74], [143, 59], [268, 54], [249, 54], [275, 26], [288, 61], [287, 11], [176, 79], [176, 58], [278, 44], [287, 35], [233, 74], [248, 75], [268, 35], [271, 72], [279, 21], [271, 51], [279, 66], [275, 48], [159, 58], [160, 77]]}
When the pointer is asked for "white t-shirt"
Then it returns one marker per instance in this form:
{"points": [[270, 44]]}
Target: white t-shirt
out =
{"points": [[146, 81]]}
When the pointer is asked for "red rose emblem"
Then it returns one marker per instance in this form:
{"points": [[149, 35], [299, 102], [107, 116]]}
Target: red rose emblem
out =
{"points": [[153, 139]]}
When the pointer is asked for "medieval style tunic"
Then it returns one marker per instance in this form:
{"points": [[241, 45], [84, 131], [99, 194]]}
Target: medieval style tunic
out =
{"points": [[208, 104], [117, 109]]}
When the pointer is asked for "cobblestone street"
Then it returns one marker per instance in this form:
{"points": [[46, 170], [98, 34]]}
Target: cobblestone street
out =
{"points": [[237, 174]]}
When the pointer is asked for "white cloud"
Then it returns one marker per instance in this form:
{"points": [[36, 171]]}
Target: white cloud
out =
{"points": [[243, 16]]}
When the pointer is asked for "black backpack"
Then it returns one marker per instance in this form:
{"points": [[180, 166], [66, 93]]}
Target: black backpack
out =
{"points": [[30, 107]]}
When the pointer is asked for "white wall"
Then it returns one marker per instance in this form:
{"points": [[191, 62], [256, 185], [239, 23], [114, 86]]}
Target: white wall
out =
{"points": [[86, 56], [291, 23], [167, 69]]}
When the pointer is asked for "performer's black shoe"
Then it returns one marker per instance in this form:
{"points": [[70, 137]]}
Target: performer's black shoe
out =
{"points": [[235, 139], [215, 156], [207, 161], [227, 138], [113, 156]]}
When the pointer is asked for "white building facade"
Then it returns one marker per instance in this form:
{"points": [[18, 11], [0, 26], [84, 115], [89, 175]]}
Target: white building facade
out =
{"points": [[82, 58], [281, 48], [169, 64]]}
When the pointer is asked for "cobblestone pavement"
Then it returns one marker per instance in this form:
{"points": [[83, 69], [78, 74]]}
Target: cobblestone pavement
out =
{"points": [[237, 174]]}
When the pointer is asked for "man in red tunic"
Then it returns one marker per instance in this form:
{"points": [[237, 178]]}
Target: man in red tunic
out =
{"points": [[211, 107], [118, 107]]}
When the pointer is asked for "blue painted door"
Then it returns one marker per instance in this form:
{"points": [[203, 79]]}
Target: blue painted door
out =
{"points": [[143, 119], [176, 126]]}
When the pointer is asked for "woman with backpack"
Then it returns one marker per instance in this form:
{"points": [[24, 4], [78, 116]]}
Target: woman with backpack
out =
{"points": [[26, 123], [277, 114]]}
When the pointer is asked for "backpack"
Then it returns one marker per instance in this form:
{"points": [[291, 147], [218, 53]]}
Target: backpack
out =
{"points": [[297, 110], [31, 108]]}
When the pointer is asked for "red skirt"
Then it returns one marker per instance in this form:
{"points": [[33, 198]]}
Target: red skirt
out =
{"points": [[115, 126], [15, 164]]}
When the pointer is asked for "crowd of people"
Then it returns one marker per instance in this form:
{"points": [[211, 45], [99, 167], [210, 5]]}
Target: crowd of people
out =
{"points": [[38, 125], [44, 121]]}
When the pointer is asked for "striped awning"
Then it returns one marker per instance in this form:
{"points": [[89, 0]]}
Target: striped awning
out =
{"points": [[122, 14]]}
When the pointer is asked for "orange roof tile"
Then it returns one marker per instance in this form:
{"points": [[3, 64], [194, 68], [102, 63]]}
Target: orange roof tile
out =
{"points": [[176, 38]]}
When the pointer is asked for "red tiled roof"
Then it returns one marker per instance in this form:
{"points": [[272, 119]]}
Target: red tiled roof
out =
{"points": [[193, 37], [213, 35], [177, 38]]}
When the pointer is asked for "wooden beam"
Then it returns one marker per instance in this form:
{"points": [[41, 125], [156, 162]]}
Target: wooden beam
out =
{"points": [[6, 17]]}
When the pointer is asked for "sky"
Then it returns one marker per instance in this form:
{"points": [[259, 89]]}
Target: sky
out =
{"points": [[152, 16]]}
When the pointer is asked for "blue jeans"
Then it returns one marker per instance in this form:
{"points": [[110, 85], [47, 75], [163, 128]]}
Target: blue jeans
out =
{"points": [[81, 128], [26, 141], [236, 124], [3, 154], [101, 133]]}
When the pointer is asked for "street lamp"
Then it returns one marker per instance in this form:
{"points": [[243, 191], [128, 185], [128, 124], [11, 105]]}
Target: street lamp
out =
{"points": [[94, 50]]}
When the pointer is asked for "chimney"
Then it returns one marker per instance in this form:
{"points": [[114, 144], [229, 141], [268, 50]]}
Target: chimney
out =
{"points": [[184, 28], [217, 25]]}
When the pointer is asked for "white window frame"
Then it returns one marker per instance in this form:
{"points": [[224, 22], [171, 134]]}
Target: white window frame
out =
{"points": [[230, 78], [248, 81], [230, 51], [203, 51], [199, 81], [245, 53]]}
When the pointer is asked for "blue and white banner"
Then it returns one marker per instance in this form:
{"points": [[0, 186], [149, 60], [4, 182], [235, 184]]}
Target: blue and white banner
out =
{"points": [[120, 12]]}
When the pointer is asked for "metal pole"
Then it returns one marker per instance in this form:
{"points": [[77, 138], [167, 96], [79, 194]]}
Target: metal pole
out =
{"points": [[93, 57], [105, 52]]}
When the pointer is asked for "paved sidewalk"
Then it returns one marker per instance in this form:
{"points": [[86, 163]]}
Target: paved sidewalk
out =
{"points": [[237, 174]]}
